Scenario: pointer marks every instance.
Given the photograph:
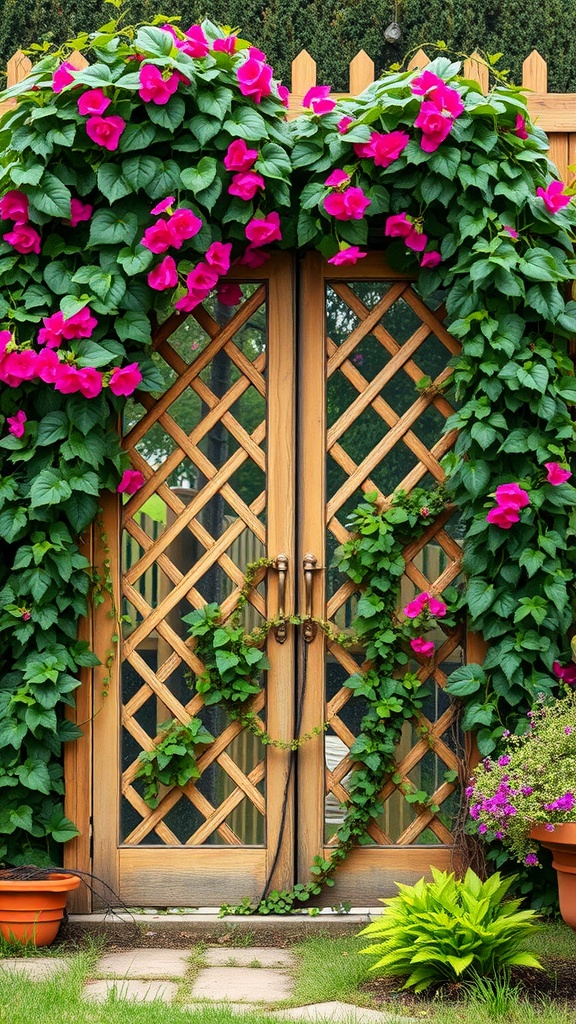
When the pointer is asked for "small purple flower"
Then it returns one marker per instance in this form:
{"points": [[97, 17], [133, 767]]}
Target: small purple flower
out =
{"points": [[563, 803], [526, 790], [531, 860], [505, 734], [510, 810], [482, 828], [504, 760], [567, 730], [549, 828], [469, 791], [499, 835], [475, 811]]}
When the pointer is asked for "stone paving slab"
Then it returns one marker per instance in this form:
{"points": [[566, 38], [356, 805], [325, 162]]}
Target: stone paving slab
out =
{"points": [[337, 1011], [35, 968], [251, 984], [135, 991], [218, 956], [145, 963]]}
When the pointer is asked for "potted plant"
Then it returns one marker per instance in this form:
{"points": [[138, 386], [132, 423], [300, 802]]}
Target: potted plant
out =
{"points": [[528, 794], [32, 903]]}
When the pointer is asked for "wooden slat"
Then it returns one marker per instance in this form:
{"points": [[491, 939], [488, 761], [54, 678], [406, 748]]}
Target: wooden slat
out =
{"points": [[535, 73], [361, 73], [191, 877], [419, 60], [476, 69]]}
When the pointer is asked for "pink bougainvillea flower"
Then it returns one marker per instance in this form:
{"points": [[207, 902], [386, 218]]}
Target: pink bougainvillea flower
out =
{"points": [[246, 184], [79, 211], [257, 54], [414, 608], [520, 127], [132, 480], [384, 148], [422, 646], [556, 475], [67, 379], [344, 124], [284, 95], [186, 303], [350, 204], [51, 334], [511, 231], [154, 88], [195, 44], [567, 673], [183, 224], [218, 256], [47, 364], [24, 238], [437, 607], [239, 157], [431, 259], [16, 424], [254, 78], [165, 275], [254, 257], [80, 324], [263, 230], [14, 206], [125, 379], [18, 366], [229, 293], [398, 225], [416, 240], [338, 177], [434, 124], [447, 100], [425, 82], [503, 517], [89, 381], [165, 204], [553, 196], [105, 131], [317, 100], [225, 45], [62, 76], [157, 237], [93, 102], [202, 279], [351, 254], [363, 150], [511, 496]]}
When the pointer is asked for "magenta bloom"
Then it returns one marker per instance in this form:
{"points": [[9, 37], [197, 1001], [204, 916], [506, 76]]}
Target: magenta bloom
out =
{"points": [[79, 211], [183, 224], [218, 256], [511, 231], [93, 102], [398, 225], [503, 517], [566, 674], [79, 325], [556, 475], [165, 275], [239, 157], [344, 123], [125, 379], [553, 196], [422, 646], [225, 45], [246, 184], [416, 240], [512, 496], [16, 423], [195, 45], [261, 231], [347, 256], [154, 88], [447, 100], [255, 78], [563, 803], [132, 480], [14, 206], [337, 177], [229, 293], [62, 77], [284, 95], [163, 205], [23, 238], [157, 237], [47, 365], [414, 608], [253, 257], [531, 860], [437, 607], [425, 83], [105, 131], [430, 259], [350, 204], [520, 128], [316, 99], [51, 334], [435, 126], [385, 148], [202, 279], [89, 381], [67, 379]]}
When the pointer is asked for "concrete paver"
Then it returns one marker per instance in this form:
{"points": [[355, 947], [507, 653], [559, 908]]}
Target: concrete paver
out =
{"points": [[265, 956], [145, 963], [253, 984], [337, 1011], [35, 968], [133, 990]]}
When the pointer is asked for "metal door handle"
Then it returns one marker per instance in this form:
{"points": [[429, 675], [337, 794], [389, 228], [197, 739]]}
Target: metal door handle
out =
{"points": [[281, 566], [310, 628]]}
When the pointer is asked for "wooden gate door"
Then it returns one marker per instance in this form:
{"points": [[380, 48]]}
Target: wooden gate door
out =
{"points": [[227, 480]]}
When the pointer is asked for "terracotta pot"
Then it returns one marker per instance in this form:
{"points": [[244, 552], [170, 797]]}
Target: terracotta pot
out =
{"points": [[562, 842], [31, 911]]}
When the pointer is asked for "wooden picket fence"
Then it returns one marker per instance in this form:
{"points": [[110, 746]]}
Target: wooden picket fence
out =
{"points": [[554, 112]]}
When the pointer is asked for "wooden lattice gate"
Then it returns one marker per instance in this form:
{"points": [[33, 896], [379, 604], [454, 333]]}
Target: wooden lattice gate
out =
{"points": [[263, 440]]}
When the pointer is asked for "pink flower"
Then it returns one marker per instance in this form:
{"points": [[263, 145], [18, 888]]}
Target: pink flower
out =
{"points": [[154, 88], [414, 608], [358, 359], [183, 224], [421, 646], [165, 204], [511, 231], [350, 204], [556, 475], [512, 496], [385, 148], [553, 196], [566, 674], [398, 225], [125, 379], [23, 238], [14, 206], [16, 423], [47, 365], [254, 258], [79, 325], [520, 128], [344, 123], [351, 254], [158, 237], [132, 480], [18, 366], [62, 76], [435, 126], [362, 150], [26, 615], [503, 517], [229, 293], [93, 102], [105, 131], [238, 157], [284, 95], [416, 240], [316, 99], [437, 607], [425, 82], [263, 230], [430, 259], [257, 54], [165, 275], [218, 256], [51, 334], [67, 379], [337, 177], [79, 211], [447, 100], [89, 381], [202, 279], [255, 79], [225, 45], [195, 45], [246, 184]]}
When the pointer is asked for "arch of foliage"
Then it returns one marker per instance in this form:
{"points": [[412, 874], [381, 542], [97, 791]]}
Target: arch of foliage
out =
{"points": [[468, 188]]}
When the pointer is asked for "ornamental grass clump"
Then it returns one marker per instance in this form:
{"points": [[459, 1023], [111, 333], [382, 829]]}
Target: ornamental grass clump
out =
{"points": [[532, 783], [451, 928]]}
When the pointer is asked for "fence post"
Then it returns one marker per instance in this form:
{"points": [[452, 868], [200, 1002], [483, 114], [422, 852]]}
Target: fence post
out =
{"points": [[535, 73], [361, 73], [419, 60], [476, 70], [18, 67]]}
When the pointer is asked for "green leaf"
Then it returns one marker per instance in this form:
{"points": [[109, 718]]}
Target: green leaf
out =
{"points": [[134, 327], [273, 162], [52, 428], [201, 176], [245, 123], [168, 115], [48, 488], [51, 196], [139, 171], [34, 775], [112, 182], [137, 136], [466, 680], [108, 227]]}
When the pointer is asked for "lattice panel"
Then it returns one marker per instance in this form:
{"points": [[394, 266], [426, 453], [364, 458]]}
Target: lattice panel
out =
{"points": [[188, 534], [385, 434]]}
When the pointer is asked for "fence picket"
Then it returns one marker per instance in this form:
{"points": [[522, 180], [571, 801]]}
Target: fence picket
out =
{"points": [[361, 73], [535, 73], [475, 68]]}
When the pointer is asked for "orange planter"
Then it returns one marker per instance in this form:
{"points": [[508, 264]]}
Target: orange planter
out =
{"points": [[31, 912], [562, 842]]}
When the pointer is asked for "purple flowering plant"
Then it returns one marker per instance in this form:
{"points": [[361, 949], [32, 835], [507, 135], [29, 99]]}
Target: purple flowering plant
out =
{"points": [[532, 783]]}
